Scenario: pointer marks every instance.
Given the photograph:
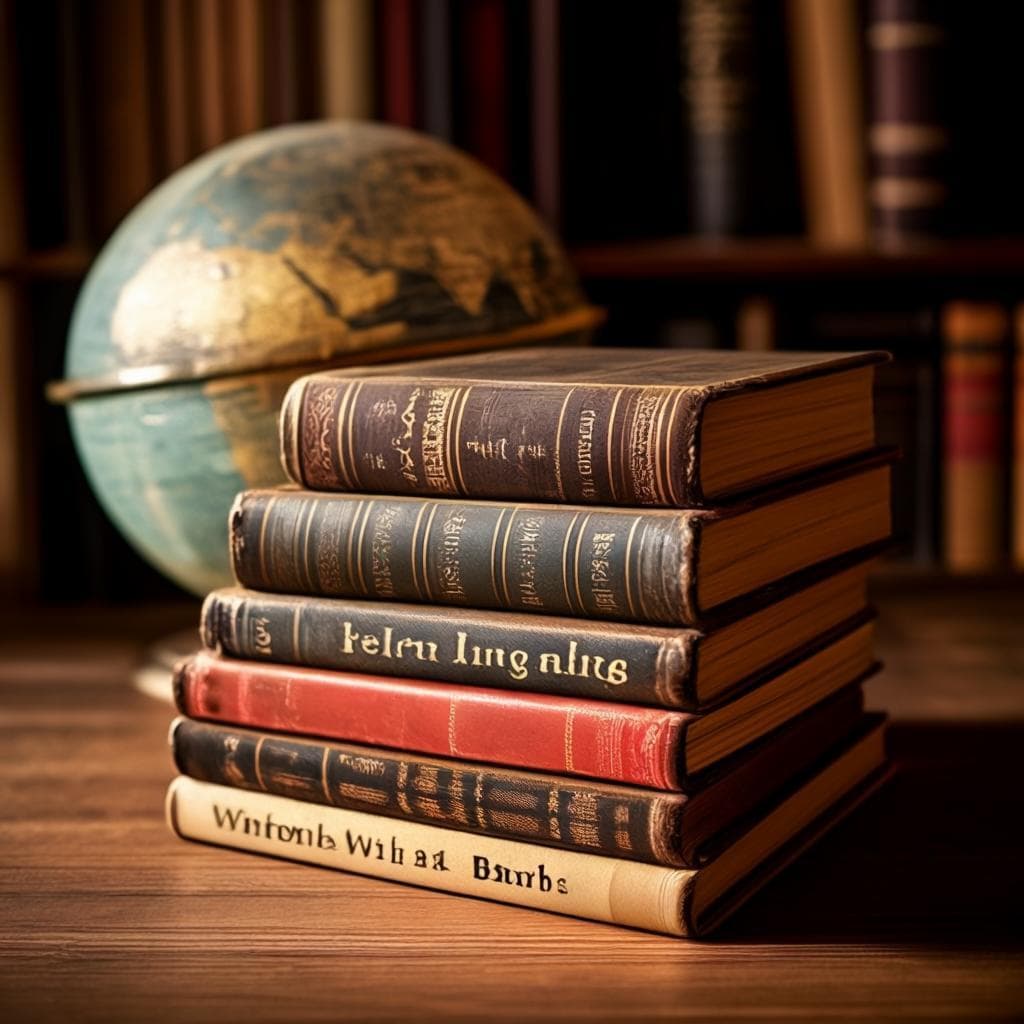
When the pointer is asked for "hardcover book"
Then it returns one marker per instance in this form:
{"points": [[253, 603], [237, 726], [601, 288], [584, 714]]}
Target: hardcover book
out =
{"points": [[649, 565], [613, 661], [674, 901], [674, 829], [975, 366], [609, 426], [616, 742]]}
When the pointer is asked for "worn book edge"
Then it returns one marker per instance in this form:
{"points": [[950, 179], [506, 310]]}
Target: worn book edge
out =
{"points": [[599, 888]]}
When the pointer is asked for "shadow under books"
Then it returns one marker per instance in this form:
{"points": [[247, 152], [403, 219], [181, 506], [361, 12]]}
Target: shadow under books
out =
{"points": [[934, 859]]}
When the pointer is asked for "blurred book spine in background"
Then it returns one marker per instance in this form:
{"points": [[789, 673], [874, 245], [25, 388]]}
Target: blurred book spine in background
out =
{"points": [[908, 137], [772, 151], [975, 365]]}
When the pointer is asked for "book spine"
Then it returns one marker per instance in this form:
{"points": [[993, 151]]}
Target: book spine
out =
{"points": [[435, 40], [485, 92], [600, 563], [1018, 441], [546, 109], [974, 370], [177, 142], [578, 884], [243, 34], [618, 743], [396, 38], [280, 100], [613, 662], [718, 88], [18, 498], [907, 139], [635, 824], [346, 59], [539, 442], [827, 92]]}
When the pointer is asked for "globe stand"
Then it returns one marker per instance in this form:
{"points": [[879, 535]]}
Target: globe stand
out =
{"points": [[155, 672]]}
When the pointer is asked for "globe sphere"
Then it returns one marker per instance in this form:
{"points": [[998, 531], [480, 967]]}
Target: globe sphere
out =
{"points": [[281, 253]]}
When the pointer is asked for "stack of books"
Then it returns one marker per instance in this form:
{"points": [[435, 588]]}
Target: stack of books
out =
{"points": [[578, 629]]}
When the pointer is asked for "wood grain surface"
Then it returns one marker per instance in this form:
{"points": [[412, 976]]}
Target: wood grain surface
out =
{"points": [[912, 909]]}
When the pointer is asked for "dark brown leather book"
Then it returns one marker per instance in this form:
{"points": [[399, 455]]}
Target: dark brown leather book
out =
{"points": [[610, 426], [674, 829], [908, 136], [613, 661], [652, 565]]}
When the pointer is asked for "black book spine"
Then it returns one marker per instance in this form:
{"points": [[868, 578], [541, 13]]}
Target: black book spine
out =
{"points": [[538, 653], [718, 92]]}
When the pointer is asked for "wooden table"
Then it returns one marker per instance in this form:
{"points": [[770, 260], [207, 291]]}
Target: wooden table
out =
{"points": [[911, 909]]}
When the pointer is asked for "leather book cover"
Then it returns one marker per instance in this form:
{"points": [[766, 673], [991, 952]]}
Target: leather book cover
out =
{"points": [[673, 901], [1017, 412], [615, 742], [630, 565], [719, 85], [673, 829], [613, 426], [613, 661], [908, 137], [975, 368]]}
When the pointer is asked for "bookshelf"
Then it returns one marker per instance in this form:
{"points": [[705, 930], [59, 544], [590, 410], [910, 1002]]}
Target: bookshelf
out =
{"points": [[612, 160], [780, 259]]}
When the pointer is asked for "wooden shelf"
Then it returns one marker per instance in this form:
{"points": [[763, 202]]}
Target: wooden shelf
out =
{"points": [[780, 258], [66, 262]]}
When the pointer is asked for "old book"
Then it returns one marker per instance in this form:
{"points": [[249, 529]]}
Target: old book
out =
{"points": [[674, 829], [483, 97], [975, 368], [652, 565], [908, 137], [243, 65], [395, 35], [435, 67], [718, 87], [17, 499], [116, 43], [210, 50], [545, 118], [1017, 502], [177, 138], [827, 90], [616, 742], [346, 59], [682, 668], [615, 426], [670, 900]]}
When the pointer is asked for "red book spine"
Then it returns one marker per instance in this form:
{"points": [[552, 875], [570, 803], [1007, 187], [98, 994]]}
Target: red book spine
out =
{"points": [[397, 35], [620, 743], [975, 367], [484, 60]]}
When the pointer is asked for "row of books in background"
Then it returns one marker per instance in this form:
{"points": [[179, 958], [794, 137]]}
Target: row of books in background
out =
{"points": [[614, 126], [588, 637], [952, 402]]}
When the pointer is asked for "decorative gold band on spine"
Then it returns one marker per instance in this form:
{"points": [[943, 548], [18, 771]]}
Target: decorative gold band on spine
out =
{"points": [[902, 35]]}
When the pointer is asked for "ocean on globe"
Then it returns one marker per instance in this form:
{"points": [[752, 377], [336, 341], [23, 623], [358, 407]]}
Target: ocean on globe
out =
{"points": [[281, 253]]}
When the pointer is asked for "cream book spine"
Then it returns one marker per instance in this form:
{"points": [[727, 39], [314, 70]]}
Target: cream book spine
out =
{"points": [[646, 896], [578, 884]]}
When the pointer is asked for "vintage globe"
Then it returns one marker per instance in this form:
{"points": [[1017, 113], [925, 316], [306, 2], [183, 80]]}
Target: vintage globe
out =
{"points": [[286, 251]]}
